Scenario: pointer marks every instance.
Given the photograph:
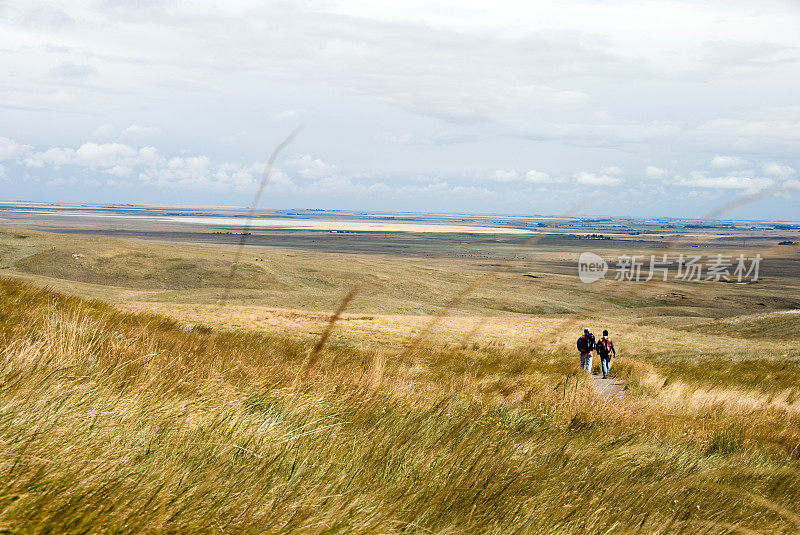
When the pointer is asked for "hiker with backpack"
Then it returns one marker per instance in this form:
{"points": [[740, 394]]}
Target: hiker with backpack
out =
{"points": [[586, 345], [605, 350]]}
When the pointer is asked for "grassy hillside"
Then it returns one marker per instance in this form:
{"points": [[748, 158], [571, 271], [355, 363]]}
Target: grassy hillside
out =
{"points": [[777, 325], [506, 279], [111, 421]]}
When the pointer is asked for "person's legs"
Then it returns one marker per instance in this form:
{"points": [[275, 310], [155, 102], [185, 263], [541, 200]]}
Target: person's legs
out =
{"points": [[586, 361], [606, 364]]}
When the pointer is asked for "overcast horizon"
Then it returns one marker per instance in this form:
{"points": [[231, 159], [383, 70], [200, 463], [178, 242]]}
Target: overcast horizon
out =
{"points": [[649, 109], [261, 211]]}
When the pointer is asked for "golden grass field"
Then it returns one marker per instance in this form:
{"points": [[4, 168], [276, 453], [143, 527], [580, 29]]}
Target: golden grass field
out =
{"points": [[133, 398]]}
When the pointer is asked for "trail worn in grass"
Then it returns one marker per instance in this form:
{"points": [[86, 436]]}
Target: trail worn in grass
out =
{"points": [[608, 388]]}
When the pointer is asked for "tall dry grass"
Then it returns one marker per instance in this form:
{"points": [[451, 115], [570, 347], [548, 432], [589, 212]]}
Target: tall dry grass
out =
{"points": [[111, 422]]}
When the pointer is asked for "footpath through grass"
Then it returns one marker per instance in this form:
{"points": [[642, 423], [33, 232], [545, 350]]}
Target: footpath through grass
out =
{"points": [[129, 423]]}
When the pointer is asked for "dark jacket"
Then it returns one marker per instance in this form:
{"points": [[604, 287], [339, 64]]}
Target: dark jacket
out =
{"points": [[586, 343]]}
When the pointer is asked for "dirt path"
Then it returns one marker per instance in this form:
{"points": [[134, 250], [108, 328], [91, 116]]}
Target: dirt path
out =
{"points": [[608, 388]]}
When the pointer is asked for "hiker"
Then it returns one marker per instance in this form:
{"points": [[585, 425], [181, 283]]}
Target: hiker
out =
{"points": [[586, 346], [605, 350]]}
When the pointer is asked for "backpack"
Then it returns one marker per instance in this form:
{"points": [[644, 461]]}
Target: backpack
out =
{"points": [[586, 343], [604, 347]]}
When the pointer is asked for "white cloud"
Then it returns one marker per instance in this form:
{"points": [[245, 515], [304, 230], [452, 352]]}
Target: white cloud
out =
{"points": [[592, 179], [54, 156], [62, 99], [190, 171], [600, 130], [504, 176], [779, 170], [103, 130], [123, 161], [137, 130], [655, 172], [149, 156], [105, 155], [120, 171], [280, 179], [552, 96], [61, 181], [11, 149], [311, 168], [192, 164], [438, 137], [748, 135], [122, 164], [73, 71], [732, 181], [564, 84], [727, 161], [538, 177], [2, 171], [242, 177], [332, 183], [286, 114], [611, 170], [532, 177], [493, 99], [94, 155]]}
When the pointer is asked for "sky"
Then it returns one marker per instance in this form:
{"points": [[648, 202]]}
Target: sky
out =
{"points": [[664, 108]]}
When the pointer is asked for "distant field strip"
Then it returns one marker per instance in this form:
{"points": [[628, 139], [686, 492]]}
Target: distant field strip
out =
{"points": [[361, 226]]}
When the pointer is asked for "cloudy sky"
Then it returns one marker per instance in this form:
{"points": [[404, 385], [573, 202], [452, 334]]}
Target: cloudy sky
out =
{"points": [[667, 108]]}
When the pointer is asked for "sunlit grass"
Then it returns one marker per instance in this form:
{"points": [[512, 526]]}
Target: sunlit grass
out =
{"points": [[119, 422]]}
